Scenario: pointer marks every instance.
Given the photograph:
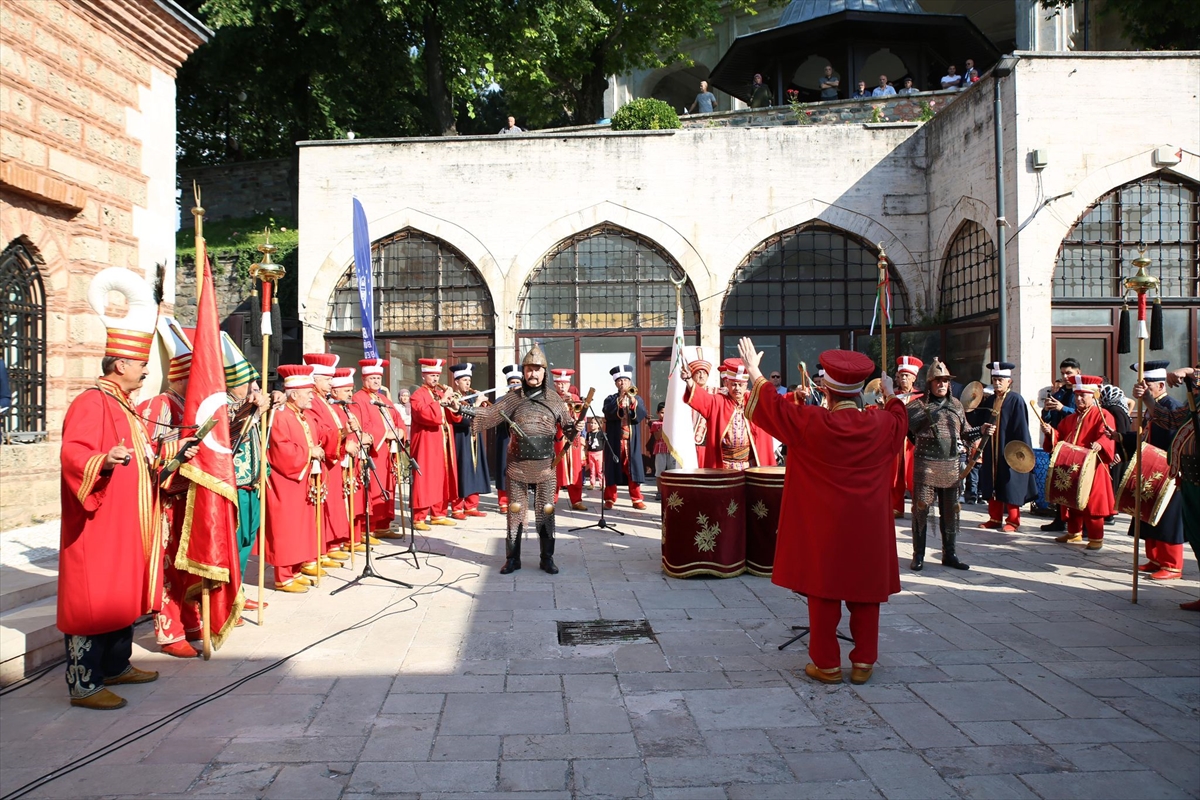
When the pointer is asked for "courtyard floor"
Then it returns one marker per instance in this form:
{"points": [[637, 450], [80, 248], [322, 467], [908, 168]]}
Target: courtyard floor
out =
{"points": [[1031, 675]]}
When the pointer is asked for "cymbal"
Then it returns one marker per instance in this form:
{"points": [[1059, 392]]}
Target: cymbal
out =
{"points": [[874, 386], [1019, 457], [972, 395]]}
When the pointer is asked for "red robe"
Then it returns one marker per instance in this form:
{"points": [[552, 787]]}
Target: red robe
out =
{"points": [[370, 416], [717, 410], [837, 534], [335, 527], [570, 469], [110, 560], [291, 519], [1082, 430], [433, 448], [351, 467]]}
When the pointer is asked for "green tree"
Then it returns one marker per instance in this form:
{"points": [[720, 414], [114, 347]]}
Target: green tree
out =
{"points": [[1152, 24]]}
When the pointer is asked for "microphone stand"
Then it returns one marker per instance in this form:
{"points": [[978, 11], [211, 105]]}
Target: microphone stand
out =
{"points": [[402, 444], [369, 470], [602, 523]]}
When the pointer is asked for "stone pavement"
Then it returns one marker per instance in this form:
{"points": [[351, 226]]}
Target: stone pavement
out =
{"points": [[1031, 675]]}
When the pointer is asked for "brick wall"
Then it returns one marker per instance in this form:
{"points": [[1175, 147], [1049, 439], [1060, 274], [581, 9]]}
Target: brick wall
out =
{"points": [[86, 97], [245, 190]]}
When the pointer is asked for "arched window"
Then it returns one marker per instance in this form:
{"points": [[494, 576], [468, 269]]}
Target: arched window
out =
{"points": [[815, 276], [969, 286], [23, 343], [1158, 212]]}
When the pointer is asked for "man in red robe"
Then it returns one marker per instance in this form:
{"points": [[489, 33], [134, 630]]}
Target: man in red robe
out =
{"points": [[1087, 427], [732, 441], [907, 368], [293, 452], [335, 528], [433, 448], [570, 468], [178, 624], [699, 367], [820, 552], [110, 559], [349, 491], [380, 433]]}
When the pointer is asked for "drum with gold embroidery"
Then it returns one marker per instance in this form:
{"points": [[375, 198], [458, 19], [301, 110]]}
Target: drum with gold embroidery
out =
{"points": [[703, 522], [1157, 485], [1072, 470], [764, 496]]}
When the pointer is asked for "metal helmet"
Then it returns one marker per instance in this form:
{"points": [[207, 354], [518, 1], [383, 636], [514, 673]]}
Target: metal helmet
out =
{"points": [[937, 369], [535, 358]]}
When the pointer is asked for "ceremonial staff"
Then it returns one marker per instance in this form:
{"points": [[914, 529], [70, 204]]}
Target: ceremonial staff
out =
{"points": [[201, 257], [884, 291], [1142, 283], [268, 273]]}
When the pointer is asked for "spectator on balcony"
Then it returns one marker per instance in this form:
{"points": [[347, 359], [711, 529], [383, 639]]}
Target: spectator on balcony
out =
{"points": [[706, 101], [861, 92], [951, 80], [970, 74], [908, 87], [760, 95], [829, 84], [884, 89]]}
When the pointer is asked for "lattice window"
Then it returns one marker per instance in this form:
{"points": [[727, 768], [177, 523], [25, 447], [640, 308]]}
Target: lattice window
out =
{"points": [[814, 276], [1159, 212], [606, 278], [23, 341], [422, 286], [970, 287]]}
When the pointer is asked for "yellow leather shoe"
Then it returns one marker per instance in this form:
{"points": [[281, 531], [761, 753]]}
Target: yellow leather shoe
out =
{"points": [[360, 548], [422, 526], [303, 580], [823, 675], [132, 675], [291, 587], [443, 521], [374, 541], [311, 571], [103, 700], [331, 563], [861, 673], [1095, 544], [1069, 538], [338, 555], [579, 506]]}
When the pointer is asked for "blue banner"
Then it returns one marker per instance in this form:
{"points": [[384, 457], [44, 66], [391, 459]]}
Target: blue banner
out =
{"points": [[363, 273]]}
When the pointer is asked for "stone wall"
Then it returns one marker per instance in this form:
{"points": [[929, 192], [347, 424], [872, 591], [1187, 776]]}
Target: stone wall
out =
{"points": [[905, 108], [87, 176], [237, 191]]}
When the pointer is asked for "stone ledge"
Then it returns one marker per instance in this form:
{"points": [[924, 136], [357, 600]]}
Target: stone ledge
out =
{"points": [[24, 181]]}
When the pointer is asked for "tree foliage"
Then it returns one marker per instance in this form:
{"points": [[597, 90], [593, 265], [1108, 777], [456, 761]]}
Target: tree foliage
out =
{"points": [[1152, 24]]}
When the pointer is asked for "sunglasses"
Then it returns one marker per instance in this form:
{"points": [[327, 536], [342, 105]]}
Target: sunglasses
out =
{"points": [[776, 375]]}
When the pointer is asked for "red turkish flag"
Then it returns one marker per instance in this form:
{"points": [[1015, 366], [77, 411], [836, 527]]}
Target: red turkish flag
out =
{"points": [[208, 545]]}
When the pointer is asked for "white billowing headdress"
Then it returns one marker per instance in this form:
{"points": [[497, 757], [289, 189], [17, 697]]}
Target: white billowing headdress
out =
{"points": [[130, 336]]}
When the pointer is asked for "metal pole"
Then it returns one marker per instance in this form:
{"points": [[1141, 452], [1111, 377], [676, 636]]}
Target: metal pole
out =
{"points": [[1001, 352]]}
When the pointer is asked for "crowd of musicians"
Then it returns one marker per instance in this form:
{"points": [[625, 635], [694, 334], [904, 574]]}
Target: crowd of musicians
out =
{"points": [[340, 458]]}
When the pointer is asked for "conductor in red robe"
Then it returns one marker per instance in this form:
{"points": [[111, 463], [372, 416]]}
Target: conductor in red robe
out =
{"points": [[433, 448], [570, 464], [819, 553], [907, 369], [1087, 427], [731, 440], [293, 452], [378, 418]]}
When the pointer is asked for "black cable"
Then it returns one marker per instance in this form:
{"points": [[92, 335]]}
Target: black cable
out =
{"points": [[151, 727], [28, 679]]}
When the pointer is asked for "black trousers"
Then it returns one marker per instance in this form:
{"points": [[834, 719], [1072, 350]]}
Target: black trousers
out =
{"points": [[91, 659]]}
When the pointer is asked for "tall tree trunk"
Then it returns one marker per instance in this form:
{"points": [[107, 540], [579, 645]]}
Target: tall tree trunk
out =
{"points": [[590, 106], [440, 101]]}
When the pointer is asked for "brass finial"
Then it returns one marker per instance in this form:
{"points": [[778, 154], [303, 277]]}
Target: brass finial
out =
{"points": [[266, 270], [1141, 281]]}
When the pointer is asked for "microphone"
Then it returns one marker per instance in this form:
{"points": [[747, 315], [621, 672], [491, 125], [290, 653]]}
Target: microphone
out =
{"points": [[378, 402], [341, 402]]}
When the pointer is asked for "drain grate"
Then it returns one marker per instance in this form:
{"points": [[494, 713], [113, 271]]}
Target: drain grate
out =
{"points": [[604, 631]]}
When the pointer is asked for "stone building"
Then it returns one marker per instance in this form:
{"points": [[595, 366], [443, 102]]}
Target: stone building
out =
{"points": [[87, 181], [483, 244]]}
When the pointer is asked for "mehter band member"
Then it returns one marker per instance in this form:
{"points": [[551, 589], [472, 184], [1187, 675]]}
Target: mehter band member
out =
{"points": [[623, 416], [246, 407], [851, 456], [938, 424], [570, 465], [434, 412], [907, 369], [1005, 489], [732, 441], [374, 411], [295, 455], [331, 435], [1087, 427], [1164, 541], [512, 376], [470, 453], [699, 367], [534, 414]]}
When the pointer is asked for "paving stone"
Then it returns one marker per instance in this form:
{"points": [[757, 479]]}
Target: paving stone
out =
{"points": [[729, 742], [1096, 757], [1079, 633], [1102, 785], [824, 767], [983, 701], [992, 733], [1008, 759], [441, 684], [570, 745], [466, 748], [533, 683], [424, 776], [591, 687], [400, 737], [748, 708], [1180, 693], [610, 777], [234, 780], [1088, 731], [840, 790], [717, 769], [992, 787], [690, 793], [1071, 700], [646, 682], [596, 716], [640, 657], [920, 725], [901, 776], [663, 725], [306, 782], [301, 750], [413, 704], [1175, 763], [504, 713], [560, 666], [528, 776]]}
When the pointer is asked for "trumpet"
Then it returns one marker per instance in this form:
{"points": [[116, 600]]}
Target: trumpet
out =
{"points": [[632, 391]]}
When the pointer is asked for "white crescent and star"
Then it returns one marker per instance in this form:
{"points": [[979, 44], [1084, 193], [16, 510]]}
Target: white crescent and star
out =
{"points": [[208, 409]]}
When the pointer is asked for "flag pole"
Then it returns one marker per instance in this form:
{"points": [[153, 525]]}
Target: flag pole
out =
{"points": [[268, 273], [201, 259], [1141, 282]]}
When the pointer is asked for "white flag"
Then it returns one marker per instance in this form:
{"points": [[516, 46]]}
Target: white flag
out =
{"points": [[677, 416]]}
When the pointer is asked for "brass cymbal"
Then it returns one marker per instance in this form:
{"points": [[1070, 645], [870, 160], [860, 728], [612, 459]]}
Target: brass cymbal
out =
{"points": [[972, 395], [1019, 457], [873, 386]]}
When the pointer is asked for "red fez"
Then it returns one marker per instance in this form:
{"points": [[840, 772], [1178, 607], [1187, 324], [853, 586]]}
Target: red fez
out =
{"points": [[372, 366], [296, 376], [909, 364], [322, 363], [846, 371]]}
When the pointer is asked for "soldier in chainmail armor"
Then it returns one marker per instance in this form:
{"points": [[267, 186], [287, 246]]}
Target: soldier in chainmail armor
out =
{"points": [[937, 423], [533, 413]]}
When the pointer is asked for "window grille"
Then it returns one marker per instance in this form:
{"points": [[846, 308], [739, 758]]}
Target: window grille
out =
{"points": [[1159, 212], [422, 286], [970, 286], [23, 339], [814, 276], [606, 278]]}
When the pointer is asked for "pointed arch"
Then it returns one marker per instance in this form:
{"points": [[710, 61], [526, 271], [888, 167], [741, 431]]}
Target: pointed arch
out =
{"points": [[969, 286], [23, 340]]}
